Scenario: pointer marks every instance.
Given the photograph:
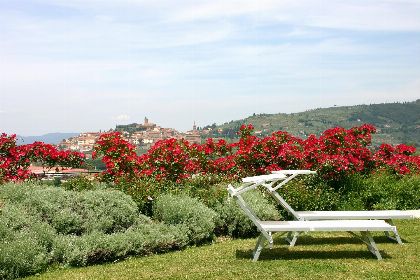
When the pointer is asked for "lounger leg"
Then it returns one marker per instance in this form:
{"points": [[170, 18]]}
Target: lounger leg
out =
{"points": [[258, 247], [292, 238], [367, 238], [270, 241], [396, 236]]}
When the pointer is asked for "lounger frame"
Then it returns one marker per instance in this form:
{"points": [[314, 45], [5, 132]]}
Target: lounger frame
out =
{"points": [[387, 215], [266, 228]]}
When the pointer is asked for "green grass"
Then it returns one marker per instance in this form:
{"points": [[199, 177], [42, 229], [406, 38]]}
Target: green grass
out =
{"points": [[317, 256]]}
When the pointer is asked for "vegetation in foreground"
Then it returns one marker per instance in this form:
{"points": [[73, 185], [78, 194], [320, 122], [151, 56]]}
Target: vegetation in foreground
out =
{"points": [[317, 256], [174, 196], [83, 223]]}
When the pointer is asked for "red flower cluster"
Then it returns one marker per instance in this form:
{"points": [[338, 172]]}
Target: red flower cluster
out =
{"points": [[337, 152], [398, 159], [15, 160], [174, 159], [49, 156], [119, 156], [259, 156]]}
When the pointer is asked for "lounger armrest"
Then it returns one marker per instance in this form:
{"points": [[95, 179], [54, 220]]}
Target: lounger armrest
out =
{"points": [[292, 172], [264, 178], [231, 190]]}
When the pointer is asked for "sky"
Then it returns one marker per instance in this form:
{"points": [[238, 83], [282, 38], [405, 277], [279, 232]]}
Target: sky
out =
{"points": [[87, 65]]}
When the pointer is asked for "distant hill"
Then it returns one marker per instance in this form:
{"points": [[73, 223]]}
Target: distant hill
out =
{"points": [[49, 138], [396, 122]]}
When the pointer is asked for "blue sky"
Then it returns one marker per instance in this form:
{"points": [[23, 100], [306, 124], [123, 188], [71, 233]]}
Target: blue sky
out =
{"points": [[80, 65]]}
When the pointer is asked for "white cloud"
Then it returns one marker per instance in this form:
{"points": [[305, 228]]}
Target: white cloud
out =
{"points": [[205, 10], [396, 15], [80, 62], [122, 118], [357, 15]]}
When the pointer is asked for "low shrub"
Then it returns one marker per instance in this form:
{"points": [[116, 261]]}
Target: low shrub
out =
{"points": [[38, 226], [97, 247], [144, 191], [59, 208], [21, 256], [15, 219], [209, 189], [15, 192], [25, 243], [70, 212], [381, 191], [232, 221], [109, 211], [309, 193], [198, 220], [80, 183]]}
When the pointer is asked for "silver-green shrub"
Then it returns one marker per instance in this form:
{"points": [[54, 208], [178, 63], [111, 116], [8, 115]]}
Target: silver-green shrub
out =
{"points": [[97, 247], [197, 219], [232, 220], [25, 243], [72, 212], [108, 211], [38, 226]]}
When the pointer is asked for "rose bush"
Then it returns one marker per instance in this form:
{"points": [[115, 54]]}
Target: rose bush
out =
{"points": [[16, 159], [339, 152], [398, 159], [336, 153], [119, 156]]}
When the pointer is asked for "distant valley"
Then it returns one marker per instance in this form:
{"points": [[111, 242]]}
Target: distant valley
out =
{"points": [[50, 138]]}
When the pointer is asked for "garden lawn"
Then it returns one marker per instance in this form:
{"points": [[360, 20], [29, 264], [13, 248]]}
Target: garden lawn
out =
{"points": [[316, 256]]}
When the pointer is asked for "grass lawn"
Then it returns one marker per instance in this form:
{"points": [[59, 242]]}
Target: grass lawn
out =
{"points": [[316, 256]]}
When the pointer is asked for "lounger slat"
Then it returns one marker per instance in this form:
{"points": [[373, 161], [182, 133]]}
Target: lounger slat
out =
{"points": [[296, 171], [340, 215], [336, 225], [263, 178]]}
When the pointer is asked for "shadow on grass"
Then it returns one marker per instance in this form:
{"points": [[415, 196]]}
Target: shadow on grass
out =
{"points": [[384, 239], [286, 254]]}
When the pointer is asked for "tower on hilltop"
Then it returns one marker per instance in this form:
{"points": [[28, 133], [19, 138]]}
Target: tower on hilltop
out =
{"points": [[194, 126], [146, 121]]}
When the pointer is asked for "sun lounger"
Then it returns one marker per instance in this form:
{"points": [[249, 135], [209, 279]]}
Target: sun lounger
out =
{"points": [[266, 228], [288, 175]]}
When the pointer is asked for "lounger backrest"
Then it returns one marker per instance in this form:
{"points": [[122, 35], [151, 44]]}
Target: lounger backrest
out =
{"points": [[247, 210]]}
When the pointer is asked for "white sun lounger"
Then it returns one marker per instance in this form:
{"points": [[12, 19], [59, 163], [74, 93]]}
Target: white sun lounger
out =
{"points": [[288, 175], [266, 228]]}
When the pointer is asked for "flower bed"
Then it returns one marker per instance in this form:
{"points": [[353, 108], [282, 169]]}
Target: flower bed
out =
{"points": [[337, 153], [15, 160]]}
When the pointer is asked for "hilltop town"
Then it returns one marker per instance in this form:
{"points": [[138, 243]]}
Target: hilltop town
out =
{"points": [[143, 136]]}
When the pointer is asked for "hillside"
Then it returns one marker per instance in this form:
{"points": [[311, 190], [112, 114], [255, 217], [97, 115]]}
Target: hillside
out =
{"points": [[396, 122]]}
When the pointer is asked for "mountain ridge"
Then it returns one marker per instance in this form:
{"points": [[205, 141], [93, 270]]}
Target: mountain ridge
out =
{"points": [[395, 122]]}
